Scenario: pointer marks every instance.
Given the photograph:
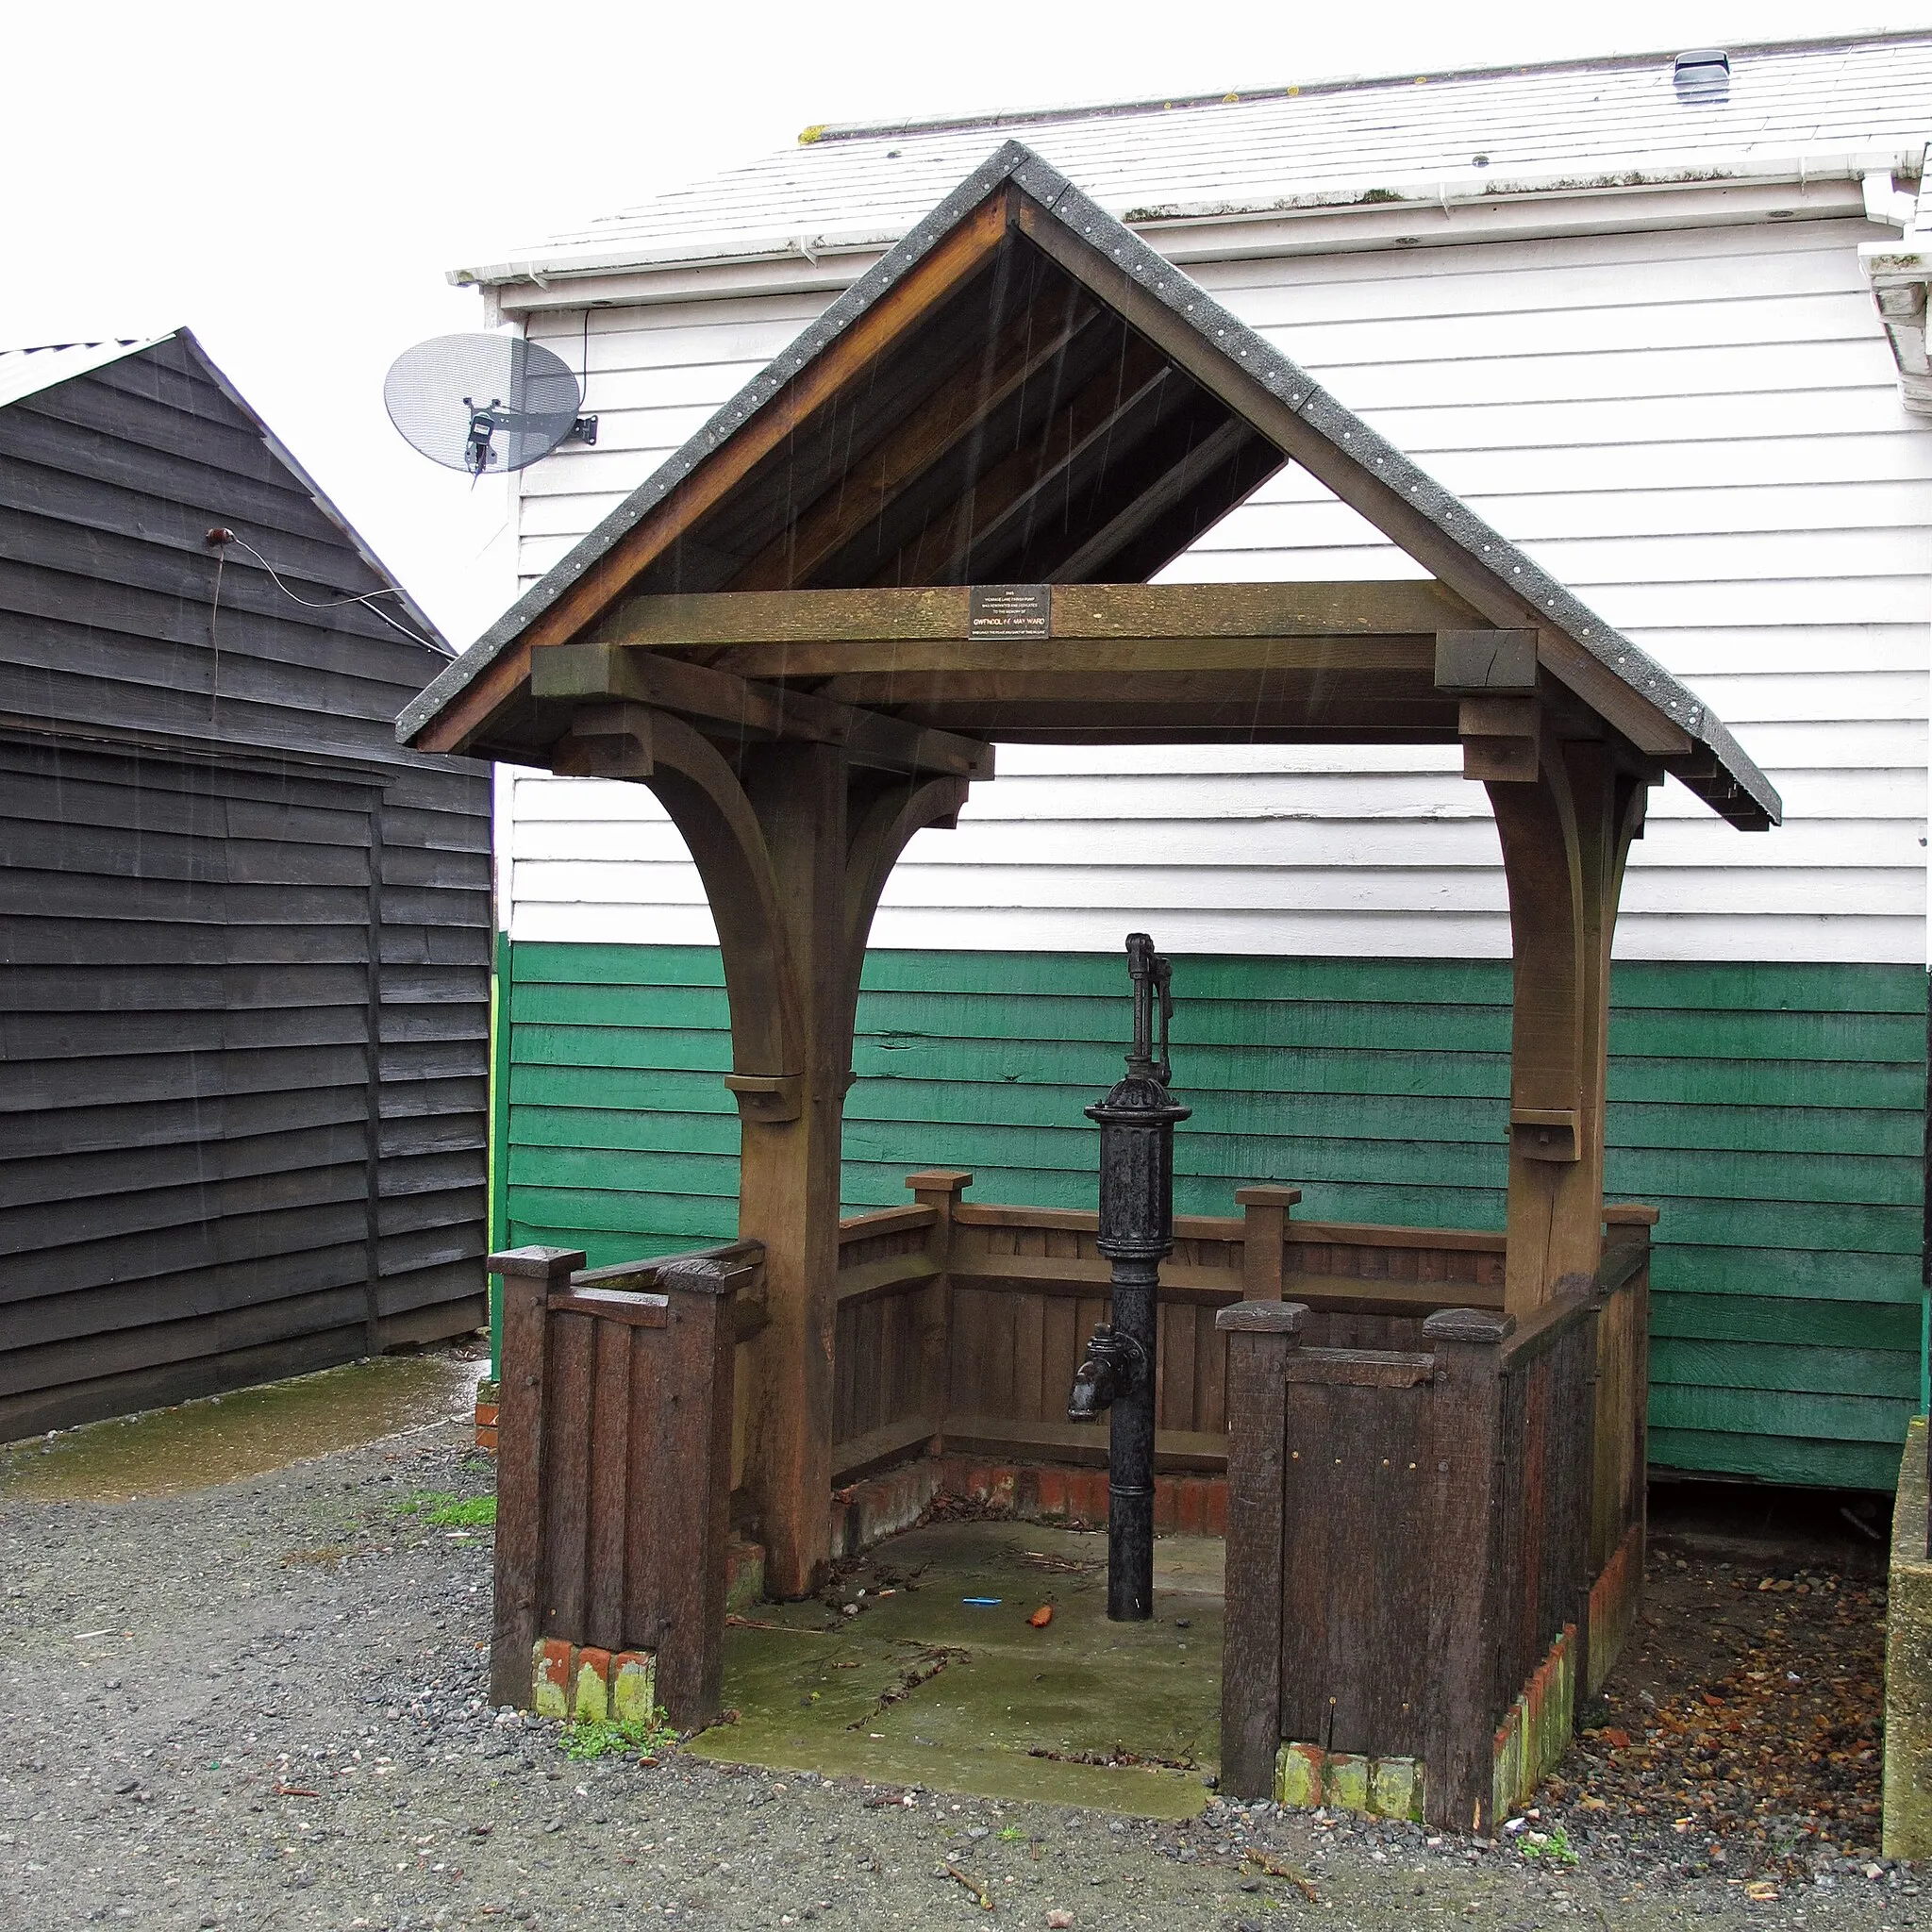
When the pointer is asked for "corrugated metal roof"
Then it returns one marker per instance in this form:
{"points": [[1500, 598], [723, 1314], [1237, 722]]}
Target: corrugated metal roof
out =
{"points": [[25, 372], [1865, 103]]}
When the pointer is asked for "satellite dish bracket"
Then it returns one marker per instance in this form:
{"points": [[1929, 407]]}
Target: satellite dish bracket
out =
{"points": [[484, 404]]}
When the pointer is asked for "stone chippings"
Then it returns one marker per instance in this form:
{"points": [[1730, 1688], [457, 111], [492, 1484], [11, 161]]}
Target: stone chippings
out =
{"points": [[264, 1707]]}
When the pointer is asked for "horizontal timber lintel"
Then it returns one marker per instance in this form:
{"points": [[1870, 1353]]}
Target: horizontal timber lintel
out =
{"points": [[1077, 610]]}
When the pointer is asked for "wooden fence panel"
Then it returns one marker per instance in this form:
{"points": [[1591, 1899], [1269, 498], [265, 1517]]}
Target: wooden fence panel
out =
{"points": [[1440, 1516], [1358, 1510], [890, 1297], [615, 1429]]}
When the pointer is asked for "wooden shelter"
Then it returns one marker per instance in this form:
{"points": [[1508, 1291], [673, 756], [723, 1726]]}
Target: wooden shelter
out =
{"points": [[243, 938], [928, 526]]}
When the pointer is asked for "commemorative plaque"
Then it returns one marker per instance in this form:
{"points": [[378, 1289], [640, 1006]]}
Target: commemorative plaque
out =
{"points": [[1010, 611]]}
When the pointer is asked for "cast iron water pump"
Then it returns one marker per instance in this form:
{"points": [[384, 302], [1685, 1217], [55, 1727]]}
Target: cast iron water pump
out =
{"points": [[1137, 1122]]}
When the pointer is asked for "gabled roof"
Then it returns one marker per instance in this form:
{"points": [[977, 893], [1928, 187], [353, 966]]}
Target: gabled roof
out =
{"points": [[1795, 110], [1185, 409], [30, 372]]}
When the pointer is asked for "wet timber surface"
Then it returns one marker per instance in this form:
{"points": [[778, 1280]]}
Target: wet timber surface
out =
{"points": [[260, 1704]]}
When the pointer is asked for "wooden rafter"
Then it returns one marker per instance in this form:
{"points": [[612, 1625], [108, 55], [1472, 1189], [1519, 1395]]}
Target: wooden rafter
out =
{"points": [[987, 383], [998, 500]]}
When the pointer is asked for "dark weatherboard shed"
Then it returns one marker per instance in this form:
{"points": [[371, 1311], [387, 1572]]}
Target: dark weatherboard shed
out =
{"points": [[243, 938]]}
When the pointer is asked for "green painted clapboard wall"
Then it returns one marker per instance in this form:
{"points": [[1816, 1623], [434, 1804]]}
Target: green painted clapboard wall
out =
{"points": [[1775, 1113]]}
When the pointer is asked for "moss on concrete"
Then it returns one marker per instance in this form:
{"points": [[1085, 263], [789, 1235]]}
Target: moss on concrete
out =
{"points": [[922, 1687], [1908, 1665]]}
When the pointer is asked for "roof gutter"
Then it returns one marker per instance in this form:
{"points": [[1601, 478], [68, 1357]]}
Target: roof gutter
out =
{"points": [[1901, 276], [1474, 205]]}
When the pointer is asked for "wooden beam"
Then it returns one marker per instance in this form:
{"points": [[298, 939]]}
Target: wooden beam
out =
{"points": [[1089, 722], [598, 673], [1485, 664], [1318, 687], [1638, 720], [960, 405], [1202, 1451], [887, 615], [1336, 651], [1502, 738], [953, 261]]}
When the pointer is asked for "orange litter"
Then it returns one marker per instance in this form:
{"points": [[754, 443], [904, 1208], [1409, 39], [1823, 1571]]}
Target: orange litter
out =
{"points": [[1042, 1617]]}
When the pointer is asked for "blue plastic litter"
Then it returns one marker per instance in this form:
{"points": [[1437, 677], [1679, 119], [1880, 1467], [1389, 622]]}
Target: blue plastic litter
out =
{"points": [[981, 1603]]}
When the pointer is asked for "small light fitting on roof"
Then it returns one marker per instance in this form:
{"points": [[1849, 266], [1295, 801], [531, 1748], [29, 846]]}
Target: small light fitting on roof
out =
{"points": [[1703, 73]]}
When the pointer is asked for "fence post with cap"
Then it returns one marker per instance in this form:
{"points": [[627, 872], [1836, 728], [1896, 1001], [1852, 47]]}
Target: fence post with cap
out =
{"points": [[528, 1275], [1260, 1335]]}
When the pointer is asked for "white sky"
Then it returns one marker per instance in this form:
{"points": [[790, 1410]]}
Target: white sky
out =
{"points": [[292, 181]]}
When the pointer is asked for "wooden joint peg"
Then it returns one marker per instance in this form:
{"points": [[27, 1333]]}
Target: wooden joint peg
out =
{"points": [[1545, 1133], [768, 1098]]}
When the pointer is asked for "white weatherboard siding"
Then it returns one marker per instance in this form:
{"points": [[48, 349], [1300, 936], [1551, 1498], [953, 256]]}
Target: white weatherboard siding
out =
{"points": [[1698, 430]]}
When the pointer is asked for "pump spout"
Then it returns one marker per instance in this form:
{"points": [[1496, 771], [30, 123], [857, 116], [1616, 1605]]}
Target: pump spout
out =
{"points": [[1093, 1392], [1111, 1370]]}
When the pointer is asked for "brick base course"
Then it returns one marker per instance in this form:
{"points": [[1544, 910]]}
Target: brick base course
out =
{"points": [[1306, 1775], [867, 1512], [569, 1681], [1537, 1731]]}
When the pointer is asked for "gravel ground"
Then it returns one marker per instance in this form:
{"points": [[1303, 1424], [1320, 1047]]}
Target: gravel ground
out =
{"points": [[262, 1705]]}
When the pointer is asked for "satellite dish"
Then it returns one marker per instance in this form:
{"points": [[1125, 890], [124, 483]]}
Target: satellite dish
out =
{"points": [[484, 404]]}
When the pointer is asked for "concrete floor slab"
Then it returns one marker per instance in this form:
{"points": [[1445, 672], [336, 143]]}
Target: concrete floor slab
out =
{"points": [[919, 1685]]}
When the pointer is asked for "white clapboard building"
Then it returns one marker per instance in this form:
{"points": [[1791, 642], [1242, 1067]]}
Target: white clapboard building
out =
{"points": [[1662, 324]]}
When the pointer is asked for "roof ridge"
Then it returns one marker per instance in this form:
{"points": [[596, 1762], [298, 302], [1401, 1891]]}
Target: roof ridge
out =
{"points": [[995, 119]]}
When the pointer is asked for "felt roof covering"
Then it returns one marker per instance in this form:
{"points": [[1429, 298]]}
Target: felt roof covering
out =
{"points": [[1023, 391]]}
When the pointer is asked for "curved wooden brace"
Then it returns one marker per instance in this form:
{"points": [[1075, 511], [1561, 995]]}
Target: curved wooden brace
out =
{"points": [[708, 805], [1566, 837], [1541, 861], [879, 835]]}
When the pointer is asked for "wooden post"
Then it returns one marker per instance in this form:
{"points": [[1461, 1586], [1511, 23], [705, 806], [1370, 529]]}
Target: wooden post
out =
{"points": [[691, 1497], [527, 1277], [789, 1164], [794, 843], [1264, 1235], [1620, 1503], [938, 1188], [1259, 1335], [1464, 1597], [1567, 811]]}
